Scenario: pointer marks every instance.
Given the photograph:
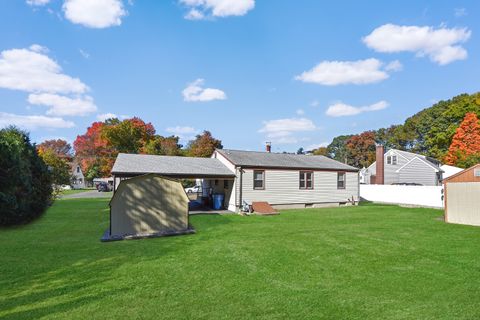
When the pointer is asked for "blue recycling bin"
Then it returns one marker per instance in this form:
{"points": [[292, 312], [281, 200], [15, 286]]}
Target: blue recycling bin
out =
{"points": [[218, 201]]}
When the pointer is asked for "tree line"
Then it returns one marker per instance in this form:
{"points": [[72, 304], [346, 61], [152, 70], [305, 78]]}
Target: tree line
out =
{"points": [[97, 149], [443, 131]]}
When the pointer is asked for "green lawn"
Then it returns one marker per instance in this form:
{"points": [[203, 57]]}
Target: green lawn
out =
{"points": [[73, 191], [382, 262]]}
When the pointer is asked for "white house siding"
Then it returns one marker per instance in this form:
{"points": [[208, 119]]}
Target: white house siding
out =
{"points": [[78, 180], [391, 175], [232, 197], [419, 172], [282, 188]]}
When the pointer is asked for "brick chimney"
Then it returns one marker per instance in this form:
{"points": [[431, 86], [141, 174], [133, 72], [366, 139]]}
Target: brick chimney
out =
{"points": [[380, 165], [268, 146]]}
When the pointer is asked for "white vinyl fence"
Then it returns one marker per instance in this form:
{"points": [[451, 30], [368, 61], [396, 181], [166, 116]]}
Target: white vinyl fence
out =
{"points": [[422, 196]]}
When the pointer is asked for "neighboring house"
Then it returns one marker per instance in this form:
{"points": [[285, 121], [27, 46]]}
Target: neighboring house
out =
{"points": [[78, 180], [402, 167], [283, 180]]}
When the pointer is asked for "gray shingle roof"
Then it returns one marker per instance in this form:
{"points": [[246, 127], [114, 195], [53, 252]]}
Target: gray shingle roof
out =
{"points": [[170, 166], [282, 160]]}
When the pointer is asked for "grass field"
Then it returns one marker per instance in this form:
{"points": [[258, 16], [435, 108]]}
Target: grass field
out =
{"points": [[382, 262], [74, 191]]}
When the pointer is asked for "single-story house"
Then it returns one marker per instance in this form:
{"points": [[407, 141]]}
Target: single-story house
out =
{"points": [[462, 194], [402, 167], [283, 180]]}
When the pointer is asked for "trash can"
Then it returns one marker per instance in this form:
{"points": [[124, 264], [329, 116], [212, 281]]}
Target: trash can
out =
{"points": [[218, 201]]}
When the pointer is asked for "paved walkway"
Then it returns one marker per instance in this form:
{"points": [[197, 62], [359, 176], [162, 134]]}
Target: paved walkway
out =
{"points": [[88, 194]]}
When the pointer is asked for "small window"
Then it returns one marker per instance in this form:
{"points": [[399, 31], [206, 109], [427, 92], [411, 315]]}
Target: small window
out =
{"points": [[216, 182], [394, 160], [78, 169], [341, 180], [476, 172], [258, 179], [306, 180], [225, 184], [389, 160]]}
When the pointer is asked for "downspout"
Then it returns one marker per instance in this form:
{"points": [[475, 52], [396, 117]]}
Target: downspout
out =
{"points": [[240, 200]]}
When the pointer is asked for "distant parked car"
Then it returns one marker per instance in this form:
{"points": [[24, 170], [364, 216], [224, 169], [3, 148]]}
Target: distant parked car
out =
{"points": [[103, 187], [194, 189]]}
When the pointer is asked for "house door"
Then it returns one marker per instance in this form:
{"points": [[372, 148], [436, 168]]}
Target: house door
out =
{"points": [[373, 179]]}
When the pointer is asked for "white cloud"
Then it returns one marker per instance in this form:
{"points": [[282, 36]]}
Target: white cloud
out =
{"points": [[460, 12], [331, 73], [195, 92], [315, 103], [300, 112], [194, 14], [316, 146], [282, 130], [105, 116], [394, 66], [64, 106], [31, 70], [184, 133], [181, 130], [202, 9], [37, 2], [341, 109], [38, 48], [94, 13], [441, 45], [33, 122], [84, 53]]}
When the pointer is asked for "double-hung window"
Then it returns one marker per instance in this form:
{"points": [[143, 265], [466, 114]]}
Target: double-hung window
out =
{"points": [[341, 177], [306, 180], [258, 179], [394, 160]]}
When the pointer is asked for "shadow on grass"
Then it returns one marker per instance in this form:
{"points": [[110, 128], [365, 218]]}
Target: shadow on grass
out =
{"points": [[58, 264]]}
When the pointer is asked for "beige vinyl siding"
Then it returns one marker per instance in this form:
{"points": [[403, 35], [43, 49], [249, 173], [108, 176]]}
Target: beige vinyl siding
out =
{"points": [[148, 204], [419, 172], [462, 203], [282, 187]]}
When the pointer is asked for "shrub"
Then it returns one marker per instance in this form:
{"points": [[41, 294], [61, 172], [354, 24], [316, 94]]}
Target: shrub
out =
{"points": [[25, 183]]}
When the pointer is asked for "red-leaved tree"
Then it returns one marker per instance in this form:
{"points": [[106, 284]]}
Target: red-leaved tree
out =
{"points": [[93, 153], [361, 149], [464, 150]]}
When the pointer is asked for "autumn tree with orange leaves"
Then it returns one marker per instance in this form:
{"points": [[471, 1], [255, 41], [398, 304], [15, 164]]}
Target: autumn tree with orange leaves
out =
{"points": [[464, 151], [93, 153]]}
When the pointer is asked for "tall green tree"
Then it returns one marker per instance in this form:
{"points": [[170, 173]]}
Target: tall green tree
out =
{"points": [[203, 145], [338, 149], [129, 135], [168, 146], [25, 182]]}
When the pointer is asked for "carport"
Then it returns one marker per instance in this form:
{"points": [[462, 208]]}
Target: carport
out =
{"points": [[211, 171]]}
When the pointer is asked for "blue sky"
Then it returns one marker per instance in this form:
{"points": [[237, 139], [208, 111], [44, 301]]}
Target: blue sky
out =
{"points": [[296, 73]]}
